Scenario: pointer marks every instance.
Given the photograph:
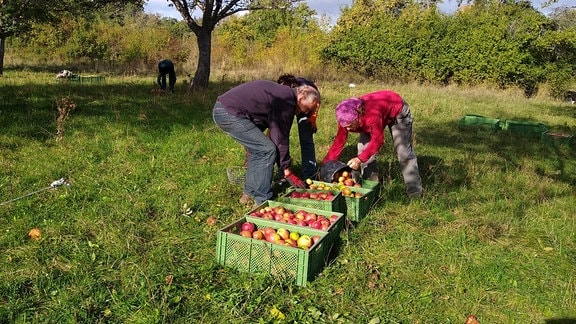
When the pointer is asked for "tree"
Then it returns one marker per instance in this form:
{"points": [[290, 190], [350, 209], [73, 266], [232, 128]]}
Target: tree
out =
{"points": [[212, 12], [18, 16]]}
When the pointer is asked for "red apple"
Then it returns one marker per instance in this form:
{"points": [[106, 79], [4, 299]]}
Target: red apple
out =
{"points": [[301, 222], [248, 226], [316, 224], [349, 182], [310, 217], [315, 239], [301, 214], [273, 238], [334, 218]]}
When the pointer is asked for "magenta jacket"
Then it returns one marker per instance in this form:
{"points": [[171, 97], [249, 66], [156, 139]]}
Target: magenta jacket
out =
{"points": [[380, 110]]}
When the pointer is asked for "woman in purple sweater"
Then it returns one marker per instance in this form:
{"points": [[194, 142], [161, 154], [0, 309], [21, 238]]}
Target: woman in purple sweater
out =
{"points": [[245, 111]]}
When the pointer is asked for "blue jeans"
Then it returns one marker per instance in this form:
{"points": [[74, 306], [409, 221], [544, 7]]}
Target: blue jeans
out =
{"points": [[401, 131], [262, 152], [307, 148]]}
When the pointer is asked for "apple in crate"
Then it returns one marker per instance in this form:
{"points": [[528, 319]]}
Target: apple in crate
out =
{"points": [[334, 218], [290, 242], [273, 238], [246, 234], [283, 233], [248, 226], [258, 235], [304, 242]]}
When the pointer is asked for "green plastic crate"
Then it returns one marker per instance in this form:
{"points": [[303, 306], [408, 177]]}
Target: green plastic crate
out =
{"points": [[480, 122], [556, 138], [526, 128], [337, 203], [333, 230], [258, 256], [88, 79], [357, 208]]}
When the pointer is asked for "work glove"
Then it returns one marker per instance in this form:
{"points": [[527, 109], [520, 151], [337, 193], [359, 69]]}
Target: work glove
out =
{"points": [[294, 181], [354, 163], [312, 120]]}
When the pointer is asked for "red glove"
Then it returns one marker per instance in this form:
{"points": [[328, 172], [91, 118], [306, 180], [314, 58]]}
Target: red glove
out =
{"points": [[294, 181], [312, 120]]}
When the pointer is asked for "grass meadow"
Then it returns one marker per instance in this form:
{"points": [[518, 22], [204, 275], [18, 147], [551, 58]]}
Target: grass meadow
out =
{"points": [[494, 235]]}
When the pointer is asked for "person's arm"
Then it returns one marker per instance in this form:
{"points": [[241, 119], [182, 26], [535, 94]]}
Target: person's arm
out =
{"points": [[376, 131], [337, 146]]}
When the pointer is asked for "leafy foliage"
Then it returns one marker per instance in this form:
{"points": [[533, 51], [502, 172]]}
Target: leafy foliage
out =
{"points": [[486, 42]]}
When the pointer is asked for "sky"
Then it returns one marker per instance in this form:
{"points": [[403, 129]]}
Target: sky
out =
{"points": [[331, 8]]}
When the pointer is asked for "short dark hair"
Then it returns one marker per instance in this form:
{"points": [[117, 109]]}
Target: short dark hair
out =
{"points": [[288, 80]]}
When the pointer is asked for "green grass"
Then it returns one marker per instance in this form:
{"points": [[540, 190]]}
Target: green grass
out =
{"points": [[494, 235]]}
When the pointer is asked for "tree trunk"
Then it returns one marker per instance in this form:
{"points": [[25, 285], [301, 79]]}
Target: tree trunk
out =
{"points": [[202, 75], [2, 47]]}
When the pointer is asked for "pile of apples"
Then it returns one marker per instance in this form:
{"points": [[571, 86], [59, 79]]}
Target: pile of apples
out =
{"points": [[299, 217], [343, 182], [323, 195], [280, 236]]}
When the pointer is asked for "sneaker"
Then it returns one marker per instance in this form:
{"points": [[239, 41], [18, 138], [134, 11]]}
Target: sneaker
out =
{"points": [[245, 199]]}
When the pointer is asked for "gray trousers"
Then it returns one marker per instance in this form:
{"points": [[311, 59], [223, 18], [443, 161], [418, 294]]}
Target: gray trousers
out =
{"points": [[401, 132]]}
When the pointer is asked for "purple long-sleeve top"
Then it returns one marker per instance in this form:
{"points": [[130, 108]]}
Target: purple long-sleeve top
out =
{"points": [[268, 105]]}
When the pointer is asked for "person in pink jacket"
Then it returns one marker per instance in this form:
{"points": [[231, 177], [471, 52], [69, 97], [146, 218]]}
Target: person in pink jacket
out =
{"points": [[369, 115]]}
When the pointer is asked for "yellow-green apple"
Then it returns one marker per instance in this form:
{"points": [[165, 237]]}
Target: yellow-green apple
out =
{"points": [[294, 236], [284, 233], [304, 242]]}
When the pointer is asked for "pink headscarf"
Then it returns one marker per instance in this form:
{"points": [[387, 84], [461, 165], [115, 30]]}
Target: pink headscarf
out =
{"points": [[347, 111]]}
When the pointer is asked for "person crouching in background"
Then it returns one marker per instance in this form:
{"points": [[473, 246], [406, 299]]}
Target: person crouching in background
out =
{"points": [[166, 67]]}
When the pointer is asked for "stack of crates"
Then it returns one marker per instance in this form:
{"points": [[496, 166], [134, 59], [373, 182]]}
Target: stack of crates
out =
{"points": [[294, 263], [281, 260]]}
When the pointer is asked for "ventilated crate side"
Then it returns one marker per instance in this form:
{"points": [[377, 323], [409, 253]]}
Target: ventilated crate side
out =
{"points": [[250, 255]]}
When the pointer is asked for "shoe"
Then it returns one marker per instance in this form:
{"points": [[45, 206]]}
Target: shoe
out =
{"points": [[245, 199]]}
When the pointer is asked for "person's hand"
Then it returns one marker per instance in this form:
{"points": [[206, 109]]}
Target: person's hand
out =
{"points": [[294, 181], [312, 120], [354, 163]]}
